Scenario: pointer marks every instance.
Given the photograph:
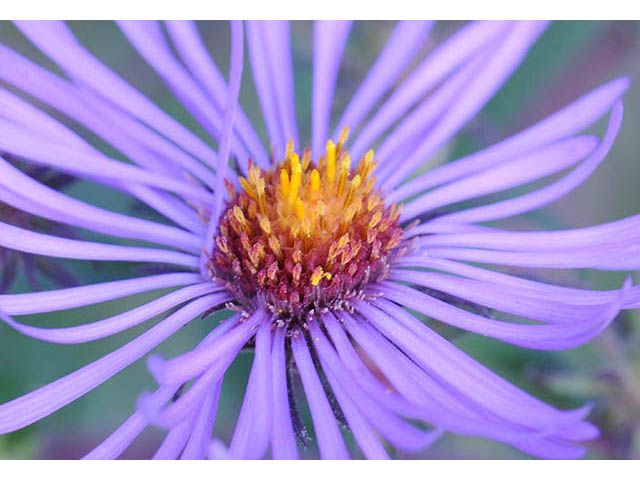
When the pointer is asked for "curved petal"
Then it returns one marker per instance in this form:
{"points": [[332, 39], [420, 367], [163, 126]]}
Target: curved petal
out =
{"points": [[365, 410], [277, 44], [283, 442], [148, 39], [17, 238], [499, 66], [186, 366], [542, 337], [66, 298], [456, 50], [235, 77], [116, 324], [253, 429], [566, 122], [528, 168], [23, 143], [549, 193], [364, 434], [116, 443], [38, 199], [38, 404], [57, 42], [327, 432], [403, 45], [196, 448], [264, 86], [122, 130], [174, 442], [193, 52], [329, 39]]}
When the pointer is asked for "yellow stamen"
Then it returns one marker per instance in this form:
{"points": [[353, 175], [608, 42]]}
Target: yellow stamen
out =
{"points": [[306, 159], [375, 219], [265, 224], [318, 274], [331, 162], [355, 183], [295, 161], [344, 239], [246, 186], [296, 177], [344, 134], [315, 181], [299, 207], [274, 245], [288, 150], [238, 214], [284, 183], [345, 165]]}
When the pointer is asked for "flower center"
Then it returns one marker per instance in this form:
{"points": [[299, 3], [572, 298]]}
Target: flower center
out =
{"points": [[303, 238]]}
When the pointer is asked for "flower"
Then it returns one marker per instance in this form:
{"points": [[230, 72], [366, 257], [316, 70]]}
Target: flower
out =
{"points": [[308, 247]]}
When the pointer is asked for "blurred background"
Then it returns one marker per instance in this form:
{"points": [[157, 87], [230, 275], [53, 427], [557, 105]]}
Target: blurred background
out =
{"points": [[569, 60]]}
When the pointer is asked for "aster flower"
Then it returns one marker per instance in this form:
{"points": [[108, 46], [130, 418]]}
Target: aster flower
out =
{"points": [[323, 254]]}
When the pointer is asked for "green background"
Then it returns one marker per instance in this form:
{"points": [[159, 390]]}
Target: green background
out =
{"points": [[569, 60]]}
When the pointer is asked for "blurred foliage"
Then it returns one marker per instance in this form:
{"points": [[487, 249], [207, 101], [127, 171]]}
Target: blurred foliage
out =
{"points": [[570, 59]]}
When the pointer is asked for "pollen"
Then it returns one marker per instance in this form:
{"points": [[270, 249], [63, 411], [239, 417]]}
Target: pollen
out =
{"points": [[304, 237]]}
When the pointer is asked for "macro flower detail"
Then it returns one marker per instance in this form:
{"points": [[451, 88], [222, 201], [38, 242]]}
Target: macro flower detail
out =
{"points": [[306, 240], [325, 259]]}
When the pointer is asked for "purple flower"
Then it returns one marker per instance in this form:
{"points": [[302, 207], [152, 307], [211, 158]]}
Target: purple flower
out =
{"points": [[308, 247]]}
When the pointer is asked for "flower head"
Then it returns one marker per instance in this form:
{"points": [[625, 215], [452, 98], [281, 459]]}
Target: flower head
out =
{"points": [[321, 254], [303, 239]]}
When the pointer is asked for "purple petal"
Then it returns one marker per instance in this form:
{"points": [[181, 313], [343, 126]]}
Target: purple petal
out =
{"points": [[404, 43], [148, 39], [24, 143], [525, 169], [116, 443], [57, 41], [123, 131], [277, 45], [567, 122], [433, 69], [235, 77], [112, 325], [514, 301], [329, 39], [549, 193], [196, 448], [283, 443], [38, 199], [327, 432], [500, 64], [191, 401], [544, 337], [470, 378], [407, 135], [17, 238], [66, 298], [264, 86], [357, 405], [364, 435], [526, 287], [185, 367], [174, 442], [33, 406], [193, 52], [253, 429]]}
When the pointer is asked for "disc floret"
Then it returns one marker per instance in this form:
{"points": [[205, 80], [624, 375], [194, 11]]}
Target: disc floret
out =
{"points": [[302, 238]]}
